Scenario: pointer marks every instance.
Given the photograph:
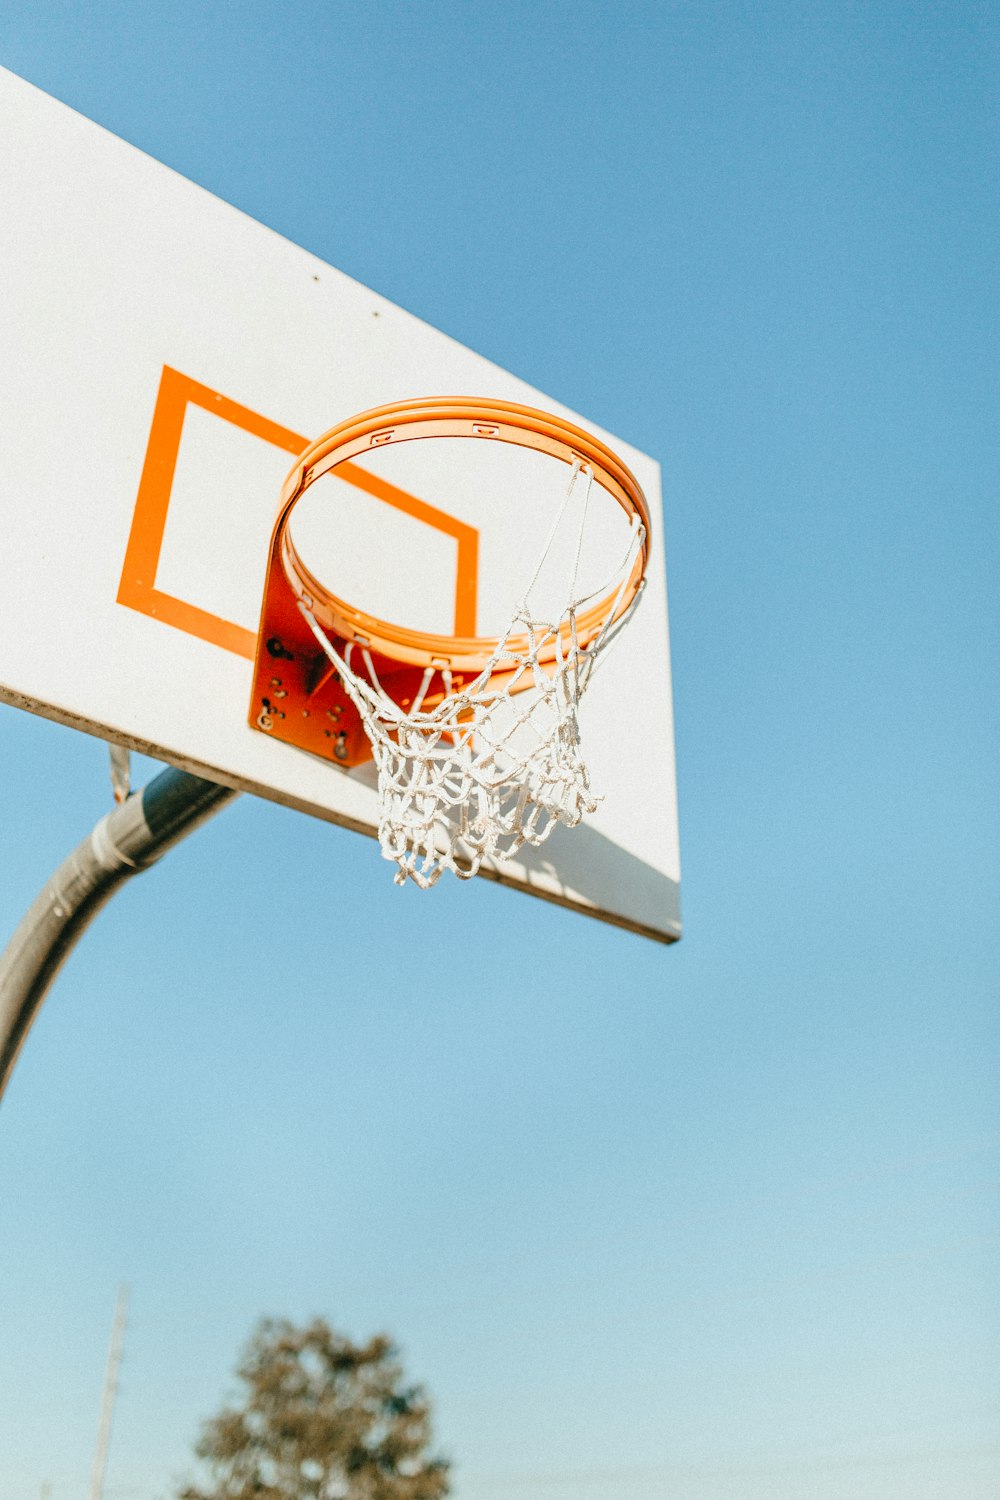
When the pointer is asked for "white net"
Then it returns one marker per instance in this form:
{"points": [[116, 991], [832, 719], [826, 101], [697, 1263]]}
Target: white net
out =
{"points": [[495, 763]]}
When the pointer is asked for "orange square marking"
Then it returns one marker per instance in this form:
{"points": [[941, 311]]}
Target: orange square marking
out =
{"points": [[137, 589]]}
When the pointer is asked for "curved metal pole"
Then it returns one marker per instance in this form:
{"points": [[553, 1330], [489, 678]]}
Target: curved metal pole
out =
{"points": [[124, 843]]}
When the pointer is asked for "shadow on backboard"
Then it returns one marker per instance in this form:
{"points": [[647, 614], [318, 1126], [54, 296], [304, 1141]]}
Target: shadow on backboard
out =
{"points": [[582, 868]]}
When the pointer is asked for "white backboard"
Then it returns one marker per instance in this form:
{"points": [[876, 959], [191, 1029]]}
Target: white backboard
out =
{"points": [[164, 359]]}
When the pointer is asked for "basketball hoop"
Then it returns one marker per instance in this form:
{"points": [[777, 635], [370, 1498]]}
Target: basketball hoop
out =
{"points": [[475, 739]]}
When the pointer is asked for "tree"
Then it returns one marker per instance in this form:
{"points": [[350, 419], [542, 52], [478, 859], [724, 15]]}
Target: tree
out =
{"points": [[320, 1418]]}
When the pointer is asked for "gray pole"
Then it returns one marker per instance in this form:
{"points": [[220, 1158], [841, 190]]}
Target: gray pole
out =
{"points": [[108, 1398], [127, 841]]}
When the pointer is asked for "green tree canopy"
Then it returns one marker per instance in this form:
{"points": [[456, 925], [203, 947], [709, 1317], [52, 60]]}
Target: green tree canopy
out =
{"points": [[320, 1418]]}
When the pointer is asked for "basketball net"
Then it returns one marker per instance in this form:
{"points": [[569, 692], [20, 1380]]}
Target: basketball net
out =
{"points": [[496, 763]]}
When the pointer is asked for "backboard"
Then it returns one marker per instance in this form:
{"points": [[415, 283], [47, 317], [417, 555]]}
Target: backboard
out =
{"points": [[165, 360]]}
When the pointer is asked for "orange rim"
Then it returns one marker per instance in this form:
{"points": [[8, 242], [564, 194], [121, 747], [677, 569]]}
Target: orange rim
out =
{"points": [[478, 420]]}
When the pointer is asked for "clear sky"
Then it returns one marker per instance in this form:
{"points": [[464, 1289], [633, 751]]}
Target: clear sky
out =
{"points": [[712, 1222]]}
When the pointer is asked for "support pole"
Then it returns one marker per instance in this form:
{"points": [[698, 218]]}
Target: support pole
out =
{"points": [[125, 842]]}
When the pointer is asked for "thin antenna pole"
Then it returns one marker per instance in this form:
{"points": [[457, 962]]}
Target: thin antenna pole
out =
{"points": [[110, 1392]]}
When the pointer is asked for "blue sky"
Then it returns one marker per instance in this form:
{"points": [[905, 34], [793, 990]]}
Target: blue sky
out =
{"points": [[715, 1222]]}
